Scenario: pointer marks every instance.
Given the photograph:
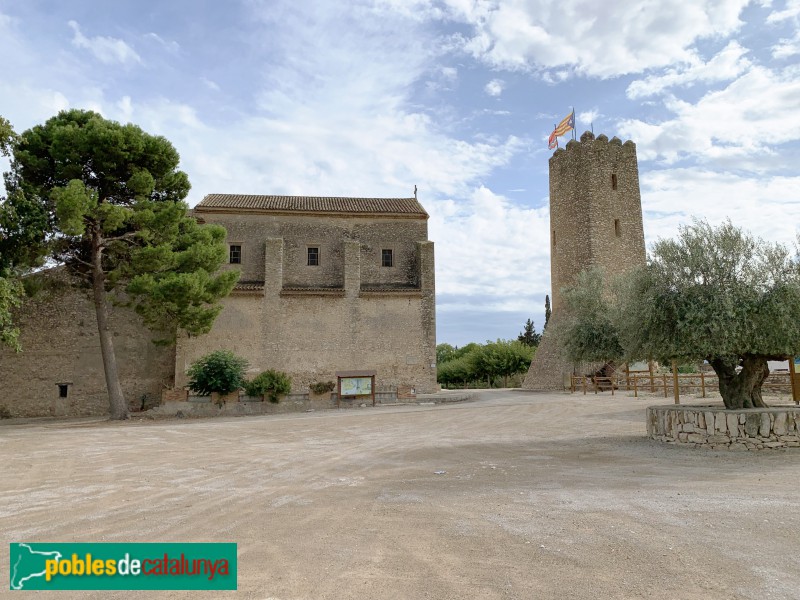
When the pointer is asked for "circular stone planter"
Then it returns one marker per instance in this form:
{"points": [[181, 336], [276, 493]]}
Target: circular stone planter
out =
{"points": [[719, 428]]}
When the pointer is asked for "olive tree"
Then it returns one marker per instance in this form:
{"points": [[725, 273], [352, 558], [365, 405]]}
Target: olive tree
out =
{"points": [[719, 295], [713, 294], [587, 331]]}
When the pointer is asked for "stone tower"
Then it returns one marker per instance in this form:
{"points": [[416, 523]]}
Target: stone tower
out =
{"points": [[595, 220]]}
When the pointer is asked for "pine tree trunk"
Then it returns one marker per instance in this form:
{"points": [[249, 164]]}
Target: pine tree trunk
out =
{"points": [[742, 389], [116, 399]]}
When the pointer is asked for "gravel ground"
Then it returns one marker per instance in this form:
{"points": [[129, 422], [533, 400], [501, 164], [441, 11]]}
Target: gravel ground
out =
{"points": [[515, 495]]}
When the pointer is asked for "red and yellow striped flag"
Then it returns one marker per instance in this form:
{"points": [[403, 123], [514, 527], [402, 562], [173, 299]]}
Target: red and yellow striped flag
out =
{"points": [[567, 124]]}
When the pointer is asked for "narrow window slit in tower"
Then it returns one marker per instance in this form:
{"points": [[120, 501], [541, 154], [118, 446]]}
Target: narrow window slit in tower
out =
{"points": [[617, 229], [613, 181], [554, 238]]}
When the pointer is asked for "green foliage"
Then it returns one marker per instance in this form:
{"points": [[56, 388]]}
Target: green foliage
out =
{"points": [[11, 291], [172, 280], [588, 333], [11, 294], [547, 311], [23, 230], [456, 371], [106, 201], [502, 358], [714, 294], [466, 349], [7, 137], [220, 371], [272, 384], [529, 337], [322, 387], [444, 352]]}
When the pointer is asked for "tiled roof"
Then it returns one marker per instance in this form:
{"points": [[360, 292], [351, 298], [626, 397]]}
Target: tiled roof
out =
{"points": [[257, 203]]}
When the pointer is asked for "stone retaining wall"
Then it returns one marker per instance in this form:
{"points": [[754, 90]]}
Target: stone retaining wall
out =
{"points": [[718, 428], [179, 403]]}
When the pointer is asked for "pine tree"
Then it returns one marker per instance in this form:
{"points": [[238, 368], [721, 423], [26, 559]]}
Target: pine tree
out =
{"points": [[106, 201]]}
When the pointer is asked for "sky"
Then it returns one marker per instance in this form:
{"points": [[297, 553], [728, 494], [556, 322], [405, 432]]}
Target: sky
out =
{"points": [[369, 98]]}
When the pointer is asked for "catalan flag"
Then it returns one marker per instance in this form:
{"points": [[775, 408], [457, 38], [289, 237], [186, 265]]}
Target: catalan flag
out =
{"points": [[567, 124]]}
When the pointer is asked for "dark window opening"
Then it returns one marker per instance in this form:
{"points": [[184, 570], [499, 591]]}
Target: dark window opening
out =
{"points": [[235, 255], [554, 238], [63, 390], [387, 260], [313, 257], [617, 229], [613, 181]]}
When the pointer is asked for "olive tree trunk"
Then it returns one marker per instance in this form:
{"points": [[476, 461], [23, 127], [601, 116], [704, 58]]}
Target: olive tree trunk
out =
{"points": [[742, 389], [116, 399]]}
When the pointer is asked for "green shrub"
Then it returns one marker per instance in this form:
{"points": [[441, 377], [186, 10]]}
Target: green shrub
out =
{"points": [[272, 384], [322, 386], [221, 371]]}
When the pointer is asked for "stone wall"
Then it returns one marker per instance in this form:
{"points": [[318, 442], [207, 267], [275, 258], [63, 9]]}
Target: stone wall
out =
{"points": [[329, 233], [718, 428], [549, 369], [60, 345], [595, 210]]}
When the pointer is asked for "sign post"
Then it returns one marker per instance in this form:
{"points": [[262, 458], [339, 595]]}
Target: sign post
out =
{"points": [[354, 384]]}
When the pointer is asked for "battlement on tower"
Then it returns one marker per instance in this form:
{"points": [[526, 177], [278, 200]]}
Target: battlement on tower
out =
{"points": [[589, 143]]}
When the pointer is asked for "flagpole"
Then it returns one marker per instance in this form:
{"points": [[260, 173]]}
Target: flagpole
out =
{"points": [[574, 137]]}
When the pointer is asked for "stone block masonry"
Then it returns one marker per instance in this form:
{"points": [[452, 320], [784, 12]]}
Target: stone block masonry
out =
{"points": [[718, 428], [59, 372]]}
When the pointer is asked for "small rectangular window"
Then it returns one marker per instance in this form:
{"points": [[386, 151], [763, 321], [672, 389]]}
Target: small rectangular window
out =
{"points": [[617, 228], [235, 254], [613, 181], [387, 260], [313, 257], [63, 390], [554, 238]]}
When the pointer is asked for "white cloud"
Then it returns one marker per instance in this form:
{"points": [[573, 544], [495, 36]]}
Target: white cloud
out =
{"points": [[792, 11], [737, 124], [494, 87], [449, 73], [587, 117], [472, 259], [766, 206], [212, 85], [727, 64], [170, 46], [787, 47], [619, 39], [107, 50]]}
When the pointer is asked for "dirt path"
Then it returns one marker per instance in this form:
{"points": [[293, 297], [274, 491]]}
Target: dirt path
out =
{"points": [[543, 496]]}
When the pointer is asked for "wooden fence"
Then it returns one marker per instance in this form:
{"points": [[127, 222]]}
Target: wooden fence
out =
{"points": [[677, 383]]}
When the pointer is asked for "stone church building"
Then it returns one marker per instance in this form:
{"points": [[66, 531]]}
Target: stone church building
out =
{"points": [[327, 285]]}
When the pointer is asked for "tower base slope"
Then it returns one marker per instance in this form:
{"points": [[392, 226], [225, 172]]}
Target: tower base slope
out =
{"points": [[549, 370]]}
